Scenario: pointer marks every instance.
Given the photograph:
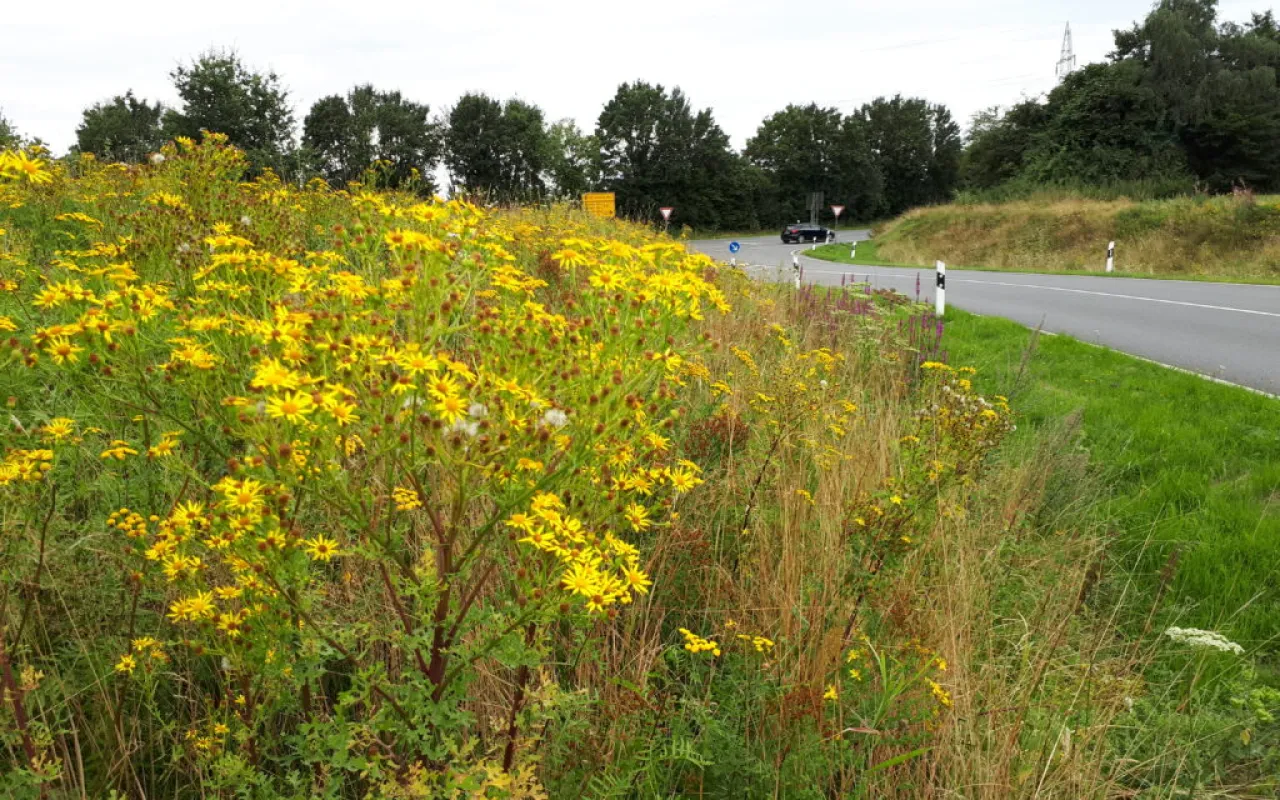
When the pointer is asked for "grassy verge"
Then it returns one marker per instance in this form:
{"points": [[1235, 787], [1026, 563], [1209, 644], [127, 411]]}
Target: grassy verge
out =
{"points": [[1194, 509], [867, 254], [1196, 238], [1192, 463]]}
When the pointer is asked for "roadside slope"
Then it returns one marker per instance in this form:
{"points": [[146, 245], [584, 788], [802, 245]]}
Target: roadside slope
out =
{"points": [[1225, 238]]}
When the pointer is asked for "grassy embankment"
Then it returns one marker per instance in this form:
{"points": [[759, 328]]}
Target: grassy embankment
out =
{"points": [[1222, 238], [1191, 473]]}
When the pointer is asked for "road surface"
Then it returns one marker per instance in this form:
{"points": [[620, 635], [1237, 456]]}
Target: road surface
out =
{"points": [[1226, 331]]}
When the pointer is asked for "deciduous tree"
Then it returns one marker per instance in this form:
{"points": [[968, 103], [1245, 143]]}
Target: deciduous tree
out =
{"points": [[220, 94], [916, 147], [345, 136], [570, 163], [655, 151], [499, 150], [8, 133], [121, 129]]}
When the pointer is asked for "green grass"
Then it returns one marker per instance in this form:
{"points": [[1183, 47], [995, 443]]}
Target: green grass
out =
{"points": [[867, 251], [868, 255], [1193, 468]]}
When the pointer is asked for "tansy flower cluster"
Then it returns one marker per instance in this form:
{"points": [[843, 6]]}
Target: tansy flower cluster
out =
{"points": [[25, 466], [696, 644], [599, 569]]}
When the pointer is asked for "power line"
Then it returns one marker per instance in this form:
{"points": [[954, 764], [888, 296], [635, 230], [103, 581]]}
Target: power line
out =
{"points": [[927, 42]]}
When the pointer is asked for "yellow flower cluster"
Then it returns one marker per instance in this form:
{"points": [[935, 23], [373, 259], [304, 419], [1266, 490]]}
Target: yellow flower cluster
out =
{"points": [[760, 643], [25, 466], [130, 523], [146, 648], [696, 644], [940, 694], [326, 405], [601, 570], [406, 499]]}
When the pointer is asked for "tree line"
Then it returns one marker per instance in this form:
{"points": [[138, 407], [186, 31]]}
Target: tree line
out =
{"points": [[651, 146], [1183, 101]]}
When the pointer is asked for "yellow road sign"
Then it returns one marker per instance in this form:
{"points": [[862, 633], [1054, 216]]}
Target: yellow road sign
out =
{"points": [[599, 204]]}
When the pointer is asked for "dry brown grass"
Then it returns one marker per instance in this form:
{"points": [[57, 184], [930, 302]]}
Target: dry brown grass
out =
{"points": [[1038, 673], [1229, 237], [1003, 591]]}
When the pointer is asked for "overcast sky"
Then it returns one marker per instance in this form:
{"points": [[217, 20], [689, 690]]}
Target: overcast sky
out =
{"points": [[743, 58]]}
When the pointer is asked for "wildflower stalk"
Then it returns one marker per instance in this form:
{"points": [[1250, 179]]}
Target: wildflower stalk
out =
{"points": [[401, 612], [764, 467], [522, 620], [517, 701], [171, 417], [15, 693], [468, 601], [342, 651], [439, 656], [34, 588]]}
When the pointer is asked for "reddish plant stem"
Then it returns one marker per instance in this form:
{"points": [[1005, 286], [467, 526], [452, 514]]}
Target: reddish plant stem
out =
{"points": [[517, 701], [401, 612], [439, 643], [467, 602], [34, 589], [19, 707]]}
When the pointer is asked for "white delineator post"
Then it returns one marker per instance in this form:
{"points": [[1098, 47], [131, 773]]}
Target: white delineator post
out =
{"points": [[1111, 256], [795, 269], [942, 289]]}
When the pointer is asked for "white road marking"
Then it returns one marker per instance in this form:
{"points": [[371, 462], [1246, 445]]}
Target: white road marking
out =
{"points": [[1210, 378], [821, 271], [1072, 291], [1127, 297]]}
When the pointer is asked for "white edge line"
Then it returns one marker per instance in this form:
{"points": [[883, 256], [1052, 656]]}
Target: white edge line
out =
{"points": [[1201, 375], [1125, 297], [1082, 274]]}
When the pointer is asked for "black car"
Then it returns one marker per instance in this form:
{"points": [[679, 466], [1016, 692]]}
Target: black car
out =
{"points": [[802, 232]]}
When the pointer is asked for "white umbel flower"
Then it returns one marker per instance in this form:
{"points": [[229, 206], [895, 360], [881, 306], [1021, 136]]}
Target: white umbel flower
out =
{"points": [[465, 427], [157, 158], [1198, 638], [555, 418]]}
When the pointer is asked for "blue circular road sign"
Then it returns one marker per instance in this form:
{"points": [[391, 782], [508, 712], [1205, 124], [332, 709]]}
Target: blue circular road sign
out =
{"points": [[734, 247]]}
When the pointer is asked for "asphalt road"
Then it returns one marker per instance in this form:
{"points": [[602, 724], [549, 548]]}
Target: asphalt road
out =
{"points": [[1226, 331]]}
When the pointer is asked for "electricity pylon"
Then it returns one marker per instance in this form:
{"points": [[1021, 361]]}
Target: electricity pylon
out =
{"points": [[1067, 60]]}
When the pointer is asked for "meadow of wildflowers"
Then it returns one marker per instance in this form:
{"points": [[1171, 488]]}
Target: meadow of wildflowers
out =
{"points": [[316, 493]]}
